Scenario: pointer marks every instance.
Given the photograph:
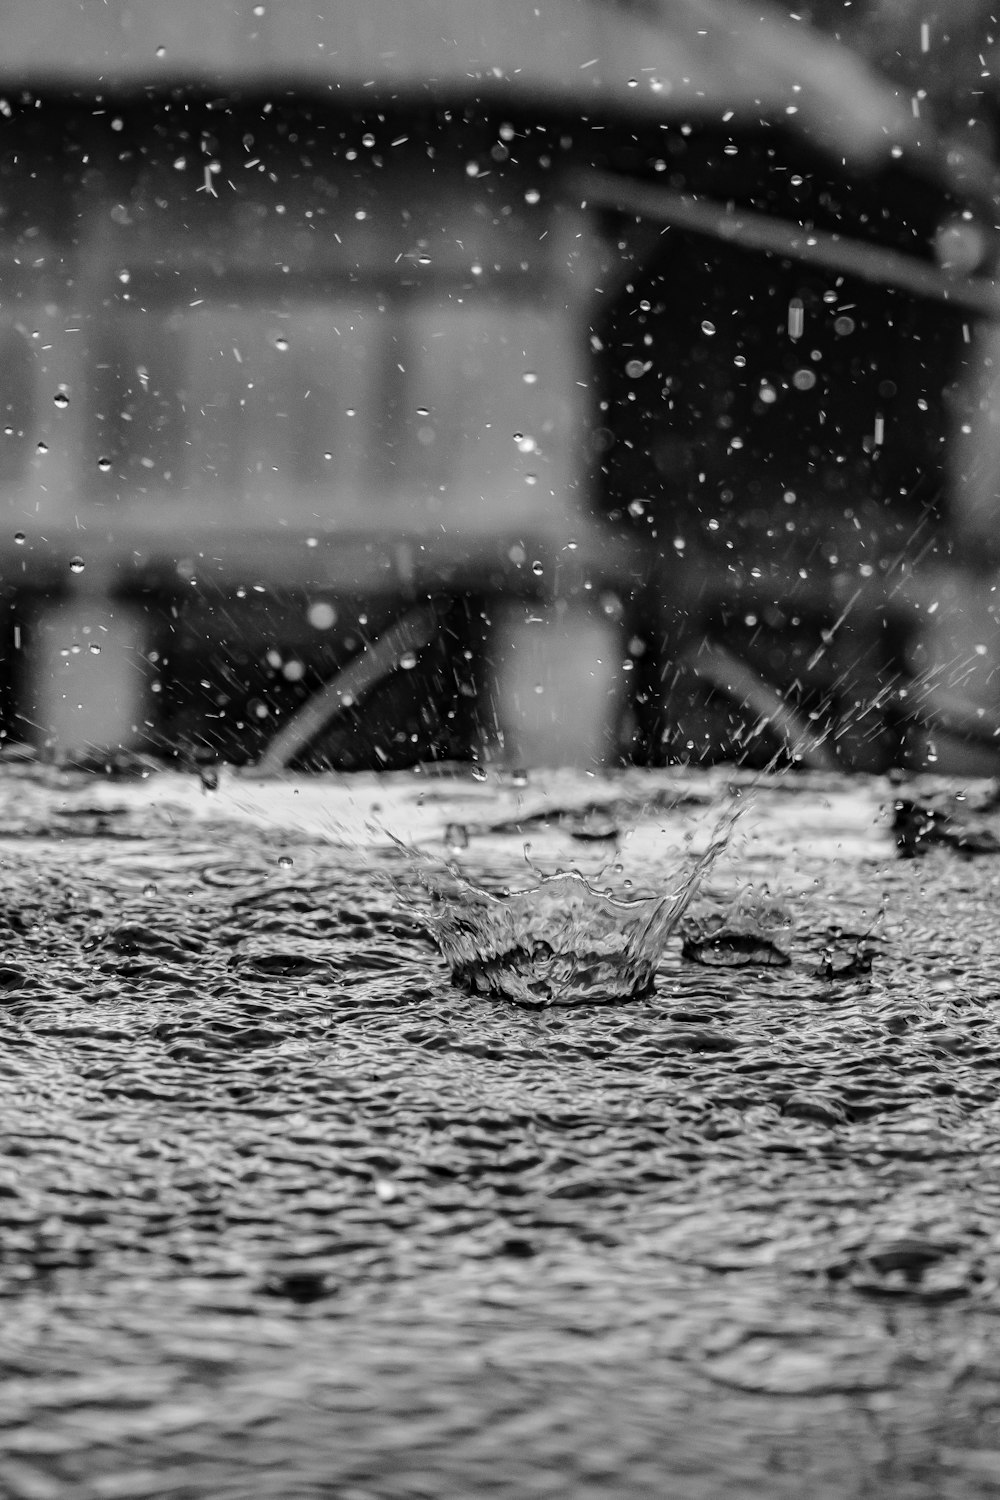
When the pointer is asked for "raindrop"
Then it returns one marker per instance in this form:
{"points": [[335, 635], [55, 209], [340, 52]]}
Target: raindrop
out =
{"points": [[351, 411], [161, 51], [95, 649], [281, 343], [532, 195], [61, 400], [104, 464], [479, 773], [537, 569], [796, 318], [124, 277], [321, 615], [707, 328], [149, 890], [525, 443], [42, 449], [285, 862], [312, 541], [328, 456], [531, 478], [529, 377], [519, 777], [368, 140], [19, 538], [456, 836], [408, 661], [76, 564], [804, 380]]}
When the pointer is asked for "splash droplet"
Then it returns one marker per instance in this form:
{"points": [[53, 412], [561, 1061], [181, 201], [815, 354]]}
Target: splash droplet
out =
{"points": [[61, 400], [104, 464], [76, 565]]}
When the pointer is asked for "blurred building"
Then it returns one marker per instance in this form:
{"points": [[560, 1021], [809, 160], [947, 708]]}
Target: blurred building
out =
{"points": [[309, 319]]}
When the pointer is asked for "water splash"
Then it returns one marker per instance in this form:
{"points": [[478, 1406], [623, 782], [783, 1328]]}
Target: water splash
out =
{"points": [[561, 940]]}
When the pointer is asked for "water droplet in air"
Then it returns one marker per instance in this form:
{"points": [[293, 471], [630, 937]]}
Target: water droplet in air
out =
{"points": [[707, 328], [19, 538], [281, 343], [285, 862], [321, 615], [529, 377], [479, 773], [408, 661], [538, 569], [525, 443], [104, 464], [149, 890], [61, 400], [368, 140], [42, 448], [76, 564], [456, 836], [519, 777], [95, 649]]}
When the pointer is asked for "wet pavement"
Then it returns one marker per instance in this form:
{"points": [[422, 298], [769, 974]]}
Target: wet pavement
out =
{"points": [[284, 1214]]}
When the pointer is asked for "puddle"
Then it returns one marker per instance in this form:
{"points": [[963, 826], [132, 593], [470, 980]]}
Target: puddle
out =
{"points": [[287, 1212]]}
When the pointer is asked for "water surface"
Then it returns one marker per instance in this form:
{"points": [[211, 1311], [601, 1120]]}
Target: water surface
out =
{"points": [[284, 1213]]}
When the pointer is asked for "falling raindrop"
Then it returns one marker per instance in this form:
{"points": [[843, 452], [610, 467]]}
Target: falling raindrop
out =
{"points": [[707, 327], [61, 400], [104, 464], [76, 564], [456, 836], [529, 377], [479, 773], [321, 615], [525, 443], [42, 449], [281, 343], [95, 649], [519, 777], [408, 661], [19, 538], [537, 569], [285, 862]]}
